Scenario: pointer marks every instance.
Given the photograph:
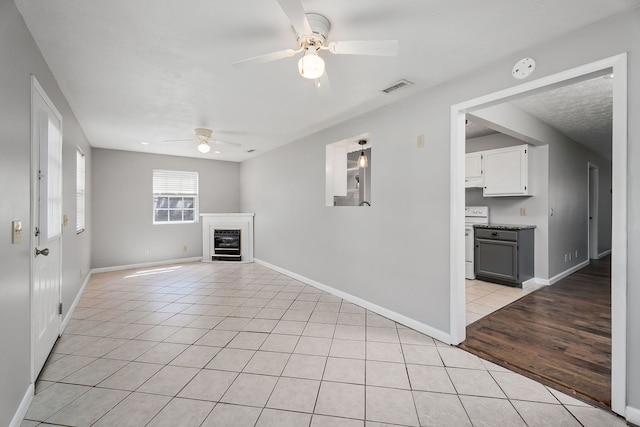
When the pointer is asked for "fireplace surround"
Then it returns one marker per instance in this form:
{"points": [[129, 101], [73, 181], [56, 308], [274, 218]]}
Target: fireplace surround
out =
{"points": [[242, 223]]}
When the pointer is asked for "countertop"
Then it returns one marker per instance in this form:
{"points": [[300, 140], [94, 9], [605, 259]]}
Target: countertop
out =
{"points": [[513, 227]]}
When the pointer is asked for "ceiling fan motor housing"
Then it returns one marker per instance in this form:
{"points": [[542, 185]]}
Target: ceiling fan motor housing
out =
{"points": [[203, 134], [320, 27]]}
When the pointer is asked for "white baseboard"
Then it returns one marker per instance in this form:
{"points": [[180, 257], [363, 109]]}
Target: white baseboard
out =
{"points": [[397, 317], [534, 281], [67, 318], [604, 254], [24, 406], [144, 264], [632, 415], [566, 273]]}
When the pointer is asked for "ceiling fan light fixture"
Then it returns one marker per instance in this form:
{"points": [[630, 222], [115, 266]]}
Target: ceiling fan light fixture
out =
{"points": [[204, 147], [311, 66]]}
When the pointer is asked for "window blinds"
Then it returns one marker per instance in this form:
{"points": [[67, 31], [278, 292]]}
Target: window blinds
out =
{"points": [[175, 182]]}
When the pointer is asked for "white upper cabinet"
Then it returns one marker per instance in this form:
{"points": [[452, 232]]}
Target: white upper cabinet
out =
{"points": [[506, 172], [473, 176]]}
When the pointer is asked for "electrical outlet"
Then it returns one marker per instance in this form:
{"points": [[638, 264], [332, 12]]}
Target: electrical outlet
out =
{"points": [[184, 248], [146, 251], [420, 141], [523, 211], [576, 257]]}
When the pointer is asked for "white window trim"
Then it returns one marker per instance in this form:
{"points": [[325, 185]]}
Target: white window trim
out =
{"points": [[175, 188], [81, 193]]}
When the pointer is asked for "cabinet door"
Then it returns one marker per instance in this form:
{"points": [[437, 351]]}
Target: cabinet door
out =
{"points": [[473, 170], [497, 259], [506, 172]]}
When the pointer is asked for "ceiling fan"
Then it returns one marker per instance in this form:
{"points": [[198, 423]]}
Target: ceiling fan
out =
{"points": [[204, 138], [312, 30]]}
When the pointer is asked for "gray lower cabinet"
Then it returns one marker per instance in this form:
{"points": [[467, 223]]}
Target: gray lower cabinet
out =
{"points": [[504, 256]]}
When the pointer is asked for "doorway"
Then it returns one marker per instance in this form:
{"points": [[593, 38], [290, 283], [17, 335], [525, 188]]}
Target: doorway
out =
{"points": [[46, 219], [618, 64], [594, 199]]}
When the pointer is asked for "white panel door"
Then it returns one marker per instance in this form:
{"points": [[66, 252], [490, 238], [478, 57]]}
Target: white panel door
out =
{"points": [[46, 134]]}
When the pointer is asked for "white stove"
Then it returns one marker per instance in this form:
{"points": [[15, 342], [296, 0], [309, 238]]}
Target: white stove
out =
{"points": [[472, 215]]}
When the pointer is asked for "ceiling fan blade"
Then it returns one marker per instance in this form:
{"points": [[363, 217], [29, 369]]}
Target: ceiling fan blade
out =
{"points": [[231, 144], [323, 85], [297, 16], [365, 47], [266, 57], [179, 140]]}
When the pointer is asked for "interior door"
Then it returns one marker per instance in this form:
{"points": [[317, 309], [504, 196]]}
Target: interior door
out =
{"points": [[46, 135]]}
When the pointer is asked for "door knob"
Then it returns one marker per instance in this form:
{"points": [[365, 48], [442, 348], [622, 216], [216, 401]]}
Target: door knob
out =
{"points": [[44, 252]]}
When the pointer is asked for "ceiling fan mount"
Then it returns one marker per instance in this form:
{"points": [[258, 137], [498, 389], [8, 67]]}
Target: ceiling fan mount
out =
{"points": [[203, 134], [320, 27]]}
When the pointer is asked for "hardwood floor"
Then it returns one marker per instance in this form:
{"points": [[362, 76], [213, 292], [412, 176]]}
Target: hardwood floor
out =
{"points": [[559, 335]]}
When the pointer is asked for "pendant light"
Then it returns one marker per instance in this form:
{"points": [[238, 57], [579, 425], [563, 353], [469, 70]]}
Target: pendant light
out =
{"points": [[363, 162]]}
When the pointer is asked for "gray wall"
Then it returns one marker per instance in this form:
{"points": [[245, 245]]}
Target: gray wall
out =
{"points": [[506, 210], [20, 58], [348, 248], [123, 206]]}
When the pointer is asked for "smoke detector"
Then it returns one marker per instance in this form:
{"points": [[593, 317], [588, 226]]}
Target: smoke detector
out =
{"points": [[523, 68]]}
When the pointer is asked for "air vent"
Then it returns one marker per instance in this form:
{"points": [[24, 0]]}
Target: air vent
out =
{"points": [[251, 151], [397, 85]]}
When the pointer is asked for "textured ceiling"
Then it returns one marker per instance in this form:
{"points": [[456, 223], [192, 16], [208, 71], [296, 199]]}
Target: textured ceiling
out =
{"points": [[581, 111], [151, 70]]}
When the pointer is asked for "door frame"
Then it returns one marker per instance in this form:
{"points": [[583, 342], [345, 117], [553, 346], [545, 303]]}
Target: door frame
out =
{"points": [[618, 63], [37, 89], [593, 187]]}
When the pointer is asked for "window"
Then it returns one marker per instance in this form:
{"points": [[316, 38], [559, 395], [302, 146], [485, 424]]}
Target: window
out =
{"points": [[175, 196], [80, 191]]}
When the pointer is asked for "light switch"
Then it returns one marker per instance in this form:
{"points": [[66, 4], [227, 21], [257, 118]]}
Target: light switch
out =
{"points": [[16, 235], [65, 220], [420, 141]]}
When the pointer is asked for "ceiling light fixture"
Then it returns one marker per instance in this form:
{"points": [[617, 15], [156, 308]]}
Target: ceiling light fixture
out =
{"points": [[363, 162], [204, 147], [311, 66]]}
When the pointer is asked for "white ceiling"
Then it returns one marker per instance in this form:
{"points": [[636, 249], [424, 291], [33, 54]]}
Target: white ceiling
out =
{"points": [[150, 70]]}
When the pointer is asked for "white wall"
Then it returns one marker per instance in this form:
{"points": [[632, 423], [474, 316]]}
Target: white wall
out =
{"points": [[123, 206], [349, 248], [20, 58]]}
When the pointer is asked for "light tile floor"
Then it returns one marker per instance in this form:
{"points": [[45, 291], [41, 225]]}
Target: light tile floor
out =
{"points": [[223, 344], [483, 298]]}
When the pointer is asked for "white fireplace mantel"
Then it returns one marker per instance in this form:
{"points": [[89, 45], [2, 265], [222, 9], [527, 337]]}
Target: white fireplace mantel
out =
{"points": [[242, 221]]}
